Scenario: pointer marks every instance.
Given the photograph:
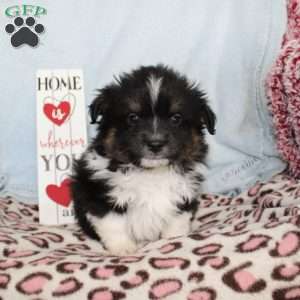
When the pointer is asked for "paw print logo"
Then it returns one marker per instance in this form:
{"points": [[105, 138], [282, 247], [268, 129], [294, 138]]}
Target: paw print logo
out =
{"points": [[24, 32]]}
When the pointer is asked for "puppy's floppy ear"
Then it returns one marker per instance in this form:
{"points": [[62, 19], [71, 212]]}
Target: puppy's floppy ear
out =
{"points": [[98, 107], [208, 118]]}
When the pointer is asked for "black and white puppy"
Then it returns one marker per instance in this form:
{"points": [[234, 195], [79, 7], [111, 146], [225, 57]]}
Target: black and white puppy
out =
{"points": [[139, 179]]}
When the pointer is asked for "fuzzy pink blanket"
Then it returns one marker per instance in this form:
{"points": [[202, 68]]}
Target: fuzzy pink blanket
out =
{"points": [[247, 247]]}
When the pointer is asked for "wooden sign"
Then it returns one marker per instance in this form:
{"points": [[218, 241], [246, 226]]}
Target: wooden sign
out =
{"points": [[61, 137]]}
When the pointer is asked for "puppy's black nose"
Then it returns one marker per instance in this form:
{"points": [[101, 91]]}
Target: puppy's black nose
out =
{"points": [[155, 145]]}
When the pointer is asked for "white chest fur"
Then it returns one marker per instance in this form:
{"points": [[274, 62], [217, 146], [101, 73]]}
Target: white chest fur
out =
{"points": [[150, 195]]}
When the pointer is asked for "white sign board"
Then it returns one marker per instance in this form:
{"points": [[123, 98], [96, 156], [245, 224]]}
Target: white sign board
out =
{"points": [[61, 137]]}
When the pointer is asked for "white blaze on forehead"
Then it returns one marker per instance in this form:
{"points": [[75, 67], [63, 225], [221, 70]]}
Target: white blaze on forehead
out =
{"points": [[154, 84]]}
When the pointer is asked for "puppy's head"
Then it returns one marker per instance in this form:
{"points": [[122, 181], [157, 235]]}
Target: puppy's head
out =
{"points": [[152, 117]]}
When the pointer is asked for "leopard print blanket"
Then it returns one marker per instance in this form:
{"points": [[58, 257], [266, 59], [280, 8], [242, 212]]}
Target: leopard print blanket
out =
{"points": [[247, 247]]}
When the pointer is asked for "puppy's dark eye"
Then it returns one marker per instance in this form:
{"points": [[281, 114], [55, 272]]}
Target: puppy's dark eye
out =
{"points": [[176, 119], [132, 118]]}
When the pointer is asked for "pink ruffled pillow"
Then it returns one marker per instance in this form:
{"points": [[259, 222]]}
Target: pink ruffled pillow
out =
{"points": [[283, 88]]}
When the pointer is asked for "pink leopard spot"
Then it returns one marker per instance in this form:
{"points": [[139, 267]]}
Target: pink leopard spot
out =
{"points": [[209, 249], [216, 262], [127, 259], [8, 264], [73, 266], [170, 247], [68, 286], [166, 263], [289, 271], [33, 284], [255, 242], [289, 244], [38, 241], [13, 216], [199, 296], [202, 294], [77, 246], [50, 236], [196, 277], [48, 260], [18, 254], [272, 224], [240, 226], [166, 248], [140, 277], [24, 227], [254, 190], [136, 280], [241, 280], [105, 294], [108, 271], [209, 216], [7, 239], [244, 279], [104, 273], [293, 294], [65, 287], [164, 288], [4, 280]]}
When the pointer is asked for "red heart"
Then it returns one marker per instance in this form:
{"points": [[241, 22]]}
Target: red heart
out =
{"points": [[57, 114], [60, 194]]}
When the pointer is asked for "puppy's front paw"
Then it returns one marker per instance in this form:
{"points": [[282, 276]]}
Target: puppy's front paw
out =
{"points": [[173, 232], [177, 227], [120, 246]]}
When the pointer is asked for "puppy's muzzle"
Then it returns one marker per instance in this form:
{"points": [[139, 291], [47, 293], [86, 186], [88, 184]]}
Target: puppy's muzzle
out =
{"points": [[156, 143]]}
